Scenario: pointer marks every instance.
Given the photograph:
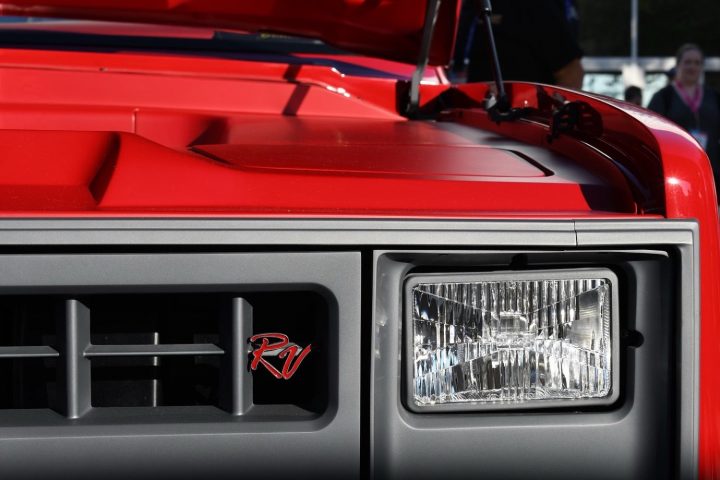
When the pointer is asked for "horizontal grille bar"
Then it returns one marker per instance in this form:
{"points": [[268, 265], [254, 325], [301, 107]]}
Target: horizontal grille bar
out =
{"points": [[28, 352], [152, 350]]}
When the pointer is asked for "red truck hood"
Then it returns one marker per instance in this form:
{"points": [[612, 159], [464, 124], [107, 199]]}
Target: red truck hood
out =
{"points": [[389, 29], [295, 166], [140, 134]]}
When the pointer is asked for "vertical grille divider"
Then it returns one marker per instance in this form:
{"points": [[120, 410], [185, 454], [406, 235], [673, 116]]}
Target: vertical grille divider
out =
{"points": [[73, 368], [236, 383]]}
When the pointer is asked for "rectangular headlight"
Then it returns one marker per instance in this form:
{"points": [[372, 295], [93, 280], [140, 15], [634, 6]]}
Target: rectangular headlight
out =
{"points": [[512, 340]]}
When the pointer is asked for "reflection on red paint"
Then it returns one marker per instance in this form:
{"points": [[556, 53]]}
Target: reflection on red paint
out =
{"points": [[286, 350]]}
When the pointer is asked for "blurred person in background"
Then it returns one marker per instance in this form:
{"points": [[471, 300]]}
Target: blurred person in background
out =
{"points": [[535, 39], [692, 105], [634, 95], [670, 74]]}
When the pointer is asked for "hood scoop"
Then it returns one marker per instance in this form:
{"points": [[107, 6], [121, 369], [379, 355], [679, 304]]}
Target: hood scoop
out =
{"points": [[122, 173], [466, 162]]}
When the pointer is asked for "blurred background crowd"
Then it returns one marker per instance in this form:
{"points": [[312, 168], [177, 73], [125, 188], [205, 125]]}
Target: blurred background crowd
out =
{"points": [[623, 43], [658, 54]]}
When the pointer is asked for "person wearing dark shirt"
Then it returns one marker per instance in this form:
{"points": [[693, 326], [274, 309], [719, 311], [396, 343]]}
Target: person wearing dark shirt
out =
{"points": [[692, 105], [534, 43], [634, 95]]}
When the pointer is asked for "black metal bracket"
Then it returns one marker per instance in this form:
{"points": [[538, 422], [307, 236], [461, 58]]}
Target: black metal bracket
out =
{"points": [[501, 101], [498, 104], [431, 14]]}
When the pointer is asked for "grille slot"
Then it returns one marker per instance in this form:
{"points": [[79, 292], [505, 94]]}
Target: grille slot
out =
{"points": [[27, 358], [161, 350]]}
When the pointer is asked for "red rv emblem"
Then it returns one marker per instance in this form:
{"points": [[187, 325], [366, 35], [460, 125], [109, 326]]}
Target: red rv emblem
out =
{"points": [[283, 349]]}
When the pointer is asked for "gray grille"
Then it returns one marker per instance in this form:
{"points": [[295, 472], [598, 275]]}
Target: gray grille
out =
{"points": [[62, 373]]}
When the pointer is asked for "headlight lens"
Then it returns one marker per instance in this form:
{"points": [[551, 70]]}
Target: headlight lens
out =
{"points": [[512, 338]]}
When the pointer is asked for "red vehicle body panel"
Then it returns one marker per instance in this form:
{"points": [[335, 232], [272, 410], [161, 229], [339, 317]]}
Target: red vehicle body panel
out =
{"points": [[92, 135], [90, 27], [387, 29], [181, 123]]}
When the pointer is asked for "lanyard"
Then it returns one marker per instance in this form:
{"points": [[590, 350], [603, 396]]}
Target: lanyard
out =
{"points": [[693, 102]]}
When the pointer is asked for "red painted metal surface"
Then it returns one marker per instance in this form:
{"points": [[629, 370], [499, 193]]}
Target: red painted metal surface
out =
{"points": [[389, 29], [379, 67], [89, 27], [141, 135], [125, 172], [342, 63], [187, 132], [127, 80]]}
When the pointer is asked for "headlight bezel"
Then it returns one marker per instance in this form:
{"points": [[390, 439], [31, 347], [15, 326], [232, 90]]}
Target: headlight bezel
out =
{"points": [[414, 279]]}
